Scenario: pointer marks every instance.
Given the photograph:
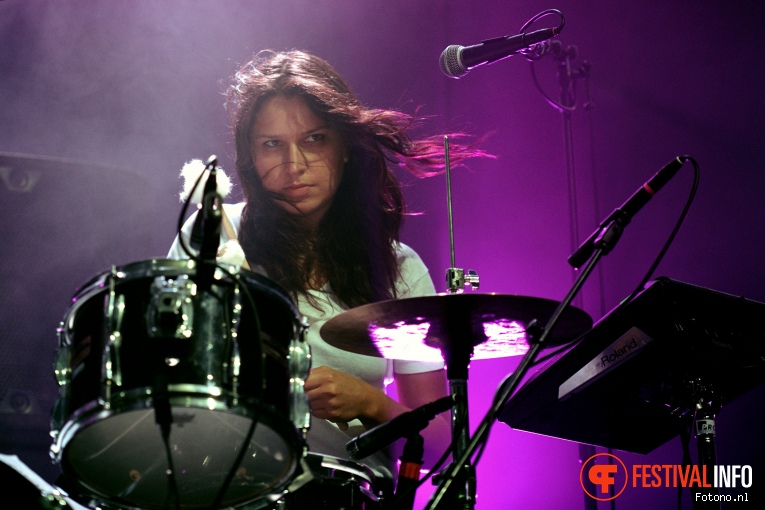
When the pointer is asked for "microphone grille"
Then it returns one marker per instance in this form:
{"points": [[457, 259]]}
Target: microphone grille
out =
{"points": [[450, 62]]}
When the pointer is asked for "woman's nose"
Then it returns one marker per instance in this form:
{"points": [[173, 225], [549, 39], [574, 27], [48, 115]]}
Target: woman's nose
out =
{"points": [[297, 161]]}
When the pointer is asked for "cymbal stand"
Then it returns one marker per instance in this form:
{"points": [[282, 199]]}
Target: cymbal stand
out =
{"points": [[537, 338], [458, 359]]}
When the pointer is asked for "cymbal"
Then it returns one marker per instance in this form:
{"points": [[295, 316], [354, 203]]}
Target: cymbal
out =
{"points": [[429, 328]]}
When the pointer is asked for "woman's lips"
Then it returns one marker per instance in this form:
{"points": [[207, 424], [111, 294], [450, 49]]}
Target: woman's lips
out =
{"points": [[297, 190]]}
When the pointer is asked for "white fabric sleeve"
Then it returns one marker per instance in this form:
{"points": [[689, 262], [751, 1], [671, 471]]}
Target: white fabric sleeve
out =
{"points": [[234, 213]]}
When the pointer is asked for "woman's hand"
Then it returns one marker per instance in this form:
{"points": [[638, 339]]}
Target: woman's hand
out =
{"points": [[340, 397]]}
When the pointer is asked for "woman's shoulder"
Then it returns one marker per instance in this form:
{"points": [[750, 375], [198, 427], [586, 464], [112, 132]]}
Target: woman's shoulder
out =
{"points": [[408, 259], [414, 277], [406, 252]]}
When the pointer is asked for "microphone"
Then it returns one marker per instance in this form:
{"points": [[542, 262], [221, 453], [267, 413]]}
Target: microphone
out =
{"points": [[457, 60], [211, 214], [403, 425], [629, 208], [211, 217]]}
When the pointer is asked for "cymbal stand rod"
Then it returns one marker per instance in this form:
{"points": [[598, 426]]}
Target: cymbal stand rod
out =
{"points": [[448, 172], [455, 277]]}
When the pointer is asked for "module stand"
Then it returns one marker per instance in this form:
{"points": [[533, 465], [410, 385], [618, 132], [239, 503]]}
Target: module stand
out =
{"points": [[705, 409]]}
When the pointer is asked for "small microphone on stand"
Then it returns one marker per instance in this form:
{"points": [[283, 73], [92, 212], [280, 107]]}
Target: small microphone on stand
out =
{"points": [[210, 217], [628, 209], [403, 425]]}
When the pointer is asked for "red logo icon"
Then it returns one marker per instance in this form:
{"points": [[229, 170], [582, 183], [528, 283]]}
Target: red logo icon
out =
{"points": [[604, 471]]}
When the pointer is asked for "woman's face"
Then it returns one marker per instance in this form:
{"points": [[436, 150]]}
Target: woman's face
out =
{"points": [[298, 157]]}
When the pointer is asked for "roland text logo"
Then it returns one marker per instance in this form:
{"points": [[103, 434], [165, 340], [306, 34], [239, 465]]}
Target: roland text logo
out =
{"points": [[616, 354]]}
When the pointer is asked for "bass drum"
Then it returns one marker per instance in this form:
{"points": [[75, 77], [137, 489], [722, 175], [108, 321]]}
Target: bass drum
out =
{"points": [[178, 391]]}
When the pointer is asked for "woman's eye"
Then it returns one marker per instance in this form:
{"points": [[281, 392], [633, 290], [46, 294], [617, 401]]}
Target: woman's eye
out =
{"points": [[316, 137]]}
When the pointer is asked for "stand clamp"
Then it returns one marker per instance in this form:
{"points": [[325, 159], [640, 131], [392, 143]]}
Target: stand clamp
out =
{"points": [[456, 279]]}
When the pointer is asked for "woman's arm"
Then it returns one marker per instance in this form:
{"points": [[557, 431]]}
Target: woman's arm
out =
{"points": [[339, 397]]}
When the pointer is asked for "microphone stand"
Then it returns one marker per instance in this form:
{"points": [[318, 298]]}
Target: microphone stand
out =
{"points": [[567, 78], [605, 242]]}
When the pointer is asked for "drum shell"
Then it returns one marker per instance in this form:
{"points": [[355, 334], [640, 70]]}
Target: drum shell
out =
{"points": [[141, 357], [114, 371]]}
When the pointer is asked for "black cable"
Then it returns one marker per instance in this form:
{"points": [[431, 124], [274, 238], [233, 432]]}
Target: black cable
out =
{"points": [[542, 15], [672, 236], [538, 51], [258, 393], [552, 102], [173, 494], [164, 418], [258, 343], [181, 217]]}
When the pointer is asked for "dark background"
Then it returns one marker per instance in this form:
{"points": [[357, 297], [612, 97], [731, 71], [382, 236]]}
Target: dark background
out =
{"points": [[123, 94]]}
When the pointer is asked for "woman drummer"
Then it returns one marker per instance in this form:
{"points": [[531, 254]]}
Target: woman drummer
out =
{"points": [[322, 217]]}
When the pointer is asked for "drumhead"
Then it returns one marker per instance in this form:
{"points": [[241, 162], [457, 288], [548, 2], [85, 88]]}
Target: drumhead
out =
{"points": [[123, 460]]}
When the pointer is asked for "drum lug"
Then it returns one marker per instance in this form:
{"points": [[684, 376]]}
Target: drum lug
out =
{"points": [[63, 372], [62, 367], [110, 362], [299, 366], [236, 359]]}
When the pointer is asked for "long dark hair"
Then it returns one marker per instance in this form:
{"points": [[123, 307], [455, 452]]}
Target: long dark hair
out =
{"points": [[354, 247]]}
